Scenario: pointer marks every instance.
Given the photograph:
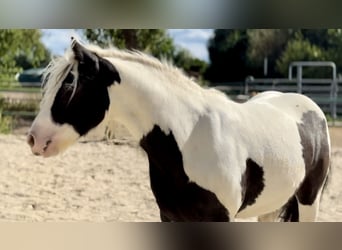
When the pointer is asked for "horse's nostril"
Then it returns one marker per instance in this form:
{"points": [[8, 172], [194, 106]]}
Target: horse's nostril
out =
{"points": [[30, 140], [47, 144]]}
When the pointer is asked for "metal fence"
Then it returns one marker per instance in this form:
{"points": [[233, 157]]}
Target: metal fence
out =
{"points": [[20, 102], [324, 91]]}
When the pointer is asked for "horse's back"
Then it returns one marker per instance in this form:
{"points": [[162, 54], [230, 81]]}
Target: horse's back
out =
{"points": [[292, 104]]}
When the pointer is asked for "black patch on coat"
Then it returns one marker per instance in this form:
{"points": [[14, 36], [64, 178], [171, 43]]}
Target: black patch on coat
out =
{"points": [[252, 183], [314, 139], [90, 102], [178, 198]]}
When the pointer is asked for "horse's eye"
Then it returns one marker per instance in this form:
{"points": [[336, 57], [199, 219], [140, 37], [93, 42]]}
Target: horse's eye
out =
{"points": [[69, 78]]}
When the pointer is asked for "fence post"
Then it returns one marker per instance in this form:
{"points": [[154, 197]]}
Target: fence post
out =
{"points": [[247, 81], [333, 99], [299, 79]]}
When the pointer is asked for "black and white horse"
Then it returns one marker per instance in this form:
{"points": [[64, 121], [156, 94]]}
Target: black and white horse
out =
{"points": [[210, 159]]}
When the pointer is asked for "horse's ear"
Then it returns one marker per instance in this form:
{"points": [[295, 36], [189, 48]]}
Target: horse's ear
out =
{"points": [[91, 64], [88, 61], [108, 72]]}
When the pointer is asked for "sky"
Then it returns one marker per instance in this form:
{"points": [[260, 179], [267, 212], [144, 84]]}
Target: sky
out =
{"points": [[194, 40]]}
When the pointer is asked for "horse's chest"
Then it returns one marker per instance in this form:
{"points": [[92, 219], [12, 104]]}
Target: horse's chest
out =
{"points": [[177, 197]]}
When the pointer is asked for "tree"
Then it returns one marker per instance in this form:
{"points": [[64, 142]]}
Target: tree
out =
{"points": [[317, 37], [153, 41], [235, 54], [312, 45], [194, 67], [266, 45], [334, 49], [228, 56], [300, 50], [20, 49]]}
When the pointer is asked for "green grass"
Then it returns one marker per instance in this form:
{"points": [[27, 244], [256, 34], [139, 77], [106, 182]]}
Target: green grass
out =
{"points": [[15, 86], [21, 106], [5, 121], [20, 89], [12, 111], [6, 124]]}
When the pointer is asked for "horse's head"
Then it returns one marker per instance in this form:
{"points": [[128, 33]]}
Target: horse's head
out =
{"points": [[75, 100]]}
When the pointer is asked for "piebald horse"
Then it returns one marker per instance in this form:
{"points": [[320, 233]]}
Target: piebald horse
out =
{"points": [[210, 159]]}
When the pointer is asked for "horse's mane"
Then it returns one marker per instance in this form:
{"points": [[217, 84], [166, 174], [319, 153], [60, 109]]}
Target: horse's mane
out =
{"points": [[60, 66], [132, 56], [175, 74]]}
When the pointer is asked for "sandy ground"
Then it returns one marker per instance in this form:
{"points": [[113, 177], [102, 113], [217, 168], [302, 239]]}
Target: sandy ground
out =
{"points": [[101, 181]]}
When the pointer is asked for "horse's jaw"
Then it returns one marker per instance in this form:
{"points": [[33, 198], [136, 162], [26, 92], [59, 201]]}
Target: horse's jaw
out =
{"points": [[49, 139]]}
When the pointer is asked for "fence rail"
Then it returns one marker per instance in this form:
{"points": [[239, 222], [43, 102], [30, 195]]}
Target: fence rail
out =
{"points": [[324, 91], [20, 102]]}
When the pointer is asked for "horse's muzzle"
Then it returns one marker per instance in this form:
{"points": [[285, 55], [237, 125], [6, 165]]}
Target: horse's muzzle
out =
{"points": [[37, 147]]}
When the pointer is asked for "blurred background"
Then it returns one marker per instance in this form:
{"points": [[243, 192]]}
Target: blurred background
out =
{"points": [[241, 62]]}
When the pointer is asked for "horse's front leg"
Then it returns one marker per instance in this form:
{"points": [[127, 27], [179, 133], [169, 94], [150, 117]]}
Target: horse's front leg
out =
{"points": [[270, 217], [163, 217]]}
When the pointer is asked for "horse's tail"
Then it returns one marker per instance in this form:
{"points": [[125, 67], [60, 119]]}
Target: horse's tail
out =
{"points": [[327, 179], [290, 211]]}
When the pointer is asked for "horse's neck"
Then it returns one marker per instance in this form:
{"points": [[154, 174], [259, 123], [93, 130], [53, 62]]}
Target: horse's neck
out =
{"points": [[143, 99]]}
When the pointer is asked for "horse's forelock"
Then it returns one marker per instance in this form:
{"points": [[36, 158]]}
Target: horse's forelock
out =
{"points": [[54, 74]]}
